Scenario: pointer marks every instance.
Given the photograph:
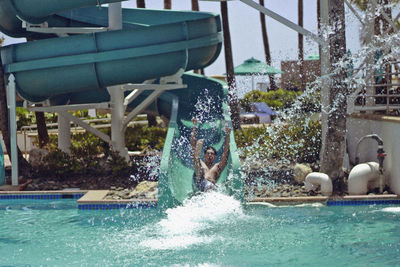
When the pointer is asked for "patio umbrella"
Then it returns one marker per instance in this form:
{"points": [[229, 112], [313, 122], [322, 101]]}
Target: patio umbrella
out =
{"points": [[254, 66]]}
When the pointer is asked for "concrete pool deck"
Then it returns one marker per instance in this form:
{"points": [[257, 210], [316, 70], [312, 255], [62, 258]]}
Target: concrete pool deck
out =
{"points": [[95, 199]]}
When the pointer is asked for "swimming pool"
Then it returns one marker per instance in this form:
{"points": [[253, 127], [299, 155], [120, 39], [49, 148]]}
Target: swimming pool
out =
{"points": [[209, 230]]}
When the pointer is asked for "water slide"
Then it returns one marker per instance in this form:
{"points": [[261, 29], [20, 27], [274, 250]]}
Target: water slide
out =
{"points": [[206, 99], [152, 44]]}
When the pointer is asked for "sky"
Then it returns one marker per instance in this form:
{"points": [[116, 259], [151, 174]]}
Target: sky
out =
{"points": [[246, 35]]}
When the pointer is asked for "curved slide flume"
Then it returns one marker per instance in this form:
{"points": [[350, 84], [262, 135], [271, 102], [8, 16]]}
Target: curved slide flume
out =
{"points": [[206, 99], [151, 44]]}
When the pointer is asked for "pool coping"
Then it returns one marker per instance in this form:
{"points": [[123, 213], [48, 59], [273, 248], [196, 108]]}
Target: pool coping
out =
{"points": [[94, 199], [354, 200]]}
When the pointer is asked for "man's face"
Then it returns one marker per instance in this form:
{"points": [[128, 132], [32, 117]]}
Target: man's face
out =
{"points": [[209, 156]]}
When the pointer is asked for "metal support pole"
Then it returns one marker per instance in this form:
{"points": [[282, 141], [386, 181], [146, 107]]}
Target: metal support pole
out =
{"points": [[64, 133], [282, 20], [114, 16], [117, 120], [13, 130]]}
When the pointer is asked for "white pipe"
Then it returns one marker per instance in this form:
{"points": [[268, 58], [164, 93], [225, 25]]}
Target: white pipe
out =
{"points": [[361, 175], [319, 179]]}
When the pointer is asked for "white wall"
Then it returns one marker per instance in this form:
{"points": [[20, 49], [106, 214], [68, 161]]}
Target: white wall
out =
{"points": [[388, 128]]}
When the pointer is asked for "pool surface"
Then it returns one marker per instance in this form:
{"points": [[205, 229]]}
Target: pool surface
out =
{"points": [[209, 230]]}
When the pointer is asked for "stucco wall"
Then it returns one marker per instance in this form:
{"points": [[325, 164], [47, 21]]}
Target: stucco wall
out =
{"points": [[388, 128]]}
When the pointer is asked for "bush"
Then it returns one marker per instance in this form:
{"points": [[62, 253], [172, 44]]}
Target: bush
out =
{"points": [[89, 153], [59, 164], [294, 143], [139, 138], [277, 100]]}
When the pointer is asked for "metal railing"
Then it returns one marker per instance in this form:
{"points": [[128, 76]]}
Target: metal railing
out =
{"points": [[386, 96]]}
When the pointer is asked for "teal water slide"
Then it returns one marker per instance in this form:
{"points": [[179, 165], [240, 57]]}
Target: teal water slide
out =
{"points": [[152, 44]]}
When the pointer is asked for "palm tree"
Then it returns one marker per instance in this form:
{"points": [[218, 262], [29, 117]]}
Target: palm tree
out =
{"points": [[334, 121], [23, 164], [43, 134], [195, 7], [233, 100], [167, 4], [319, 26], [301, 45], [140, 4], [266, 46], [151, 118]]}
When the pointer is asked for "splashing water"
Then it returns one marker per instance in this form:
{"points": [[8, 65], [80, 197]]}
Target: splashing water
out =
{"points": [[195, 222]]}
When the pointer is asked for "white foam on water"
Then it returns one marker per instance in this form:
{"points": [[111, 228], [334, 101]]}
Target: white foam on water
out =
{"points": [[313, 205], [193, 222], [391, 209]]}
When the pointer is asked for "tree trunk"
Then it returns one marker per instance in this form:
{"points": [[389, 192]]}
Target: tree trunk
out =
{"points": [[43, 134], [195, 5], [140, 4], [23, 165], [319, 27], [266, 46], [233, 99], [151, 120], [167, 4], [333, 140], [301, 46]]}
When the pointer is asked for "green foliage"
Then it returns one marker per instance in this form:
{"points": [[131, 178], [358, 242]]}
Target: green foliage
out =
{"points": [[277, 100], [87, 149], [139, 138], [26, 118], [118, 164], [295, 143], [89, 153], [60, 165]]}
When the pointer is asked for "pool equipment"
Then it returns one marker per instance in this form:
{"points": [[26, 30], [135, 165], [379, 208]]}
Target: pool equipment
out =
{"points": [[315, 179], [362, 177], [368, 175]]}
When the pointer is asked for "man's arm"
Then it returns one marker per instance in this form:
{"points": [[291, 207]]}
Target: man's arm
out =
{"points": [[197, 146], [193, 138], [225, 154]]}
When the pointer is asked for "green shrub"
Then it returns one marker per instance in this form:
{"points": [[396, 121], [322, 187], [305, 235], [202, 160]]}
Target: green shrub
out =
{"points": [[88, 149], [294, 143], [25, 117], [120, 167], [88, 152], [59, 164], [139, 138], [277, 100]]}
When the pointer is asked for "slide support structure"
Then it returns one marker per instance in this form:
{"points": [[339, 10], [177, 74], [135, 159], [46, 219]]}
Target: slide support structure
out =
{"points": [[13, 129], [64, 133]]}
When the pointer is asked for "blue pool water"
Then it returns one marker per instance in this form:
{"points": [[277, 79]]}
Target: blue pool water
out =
{"points": [[209, 230]]}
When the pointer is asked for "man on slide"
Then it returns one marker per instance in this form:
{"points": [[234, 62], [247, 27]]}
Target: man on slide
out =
{"points": [[206, 173]]}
